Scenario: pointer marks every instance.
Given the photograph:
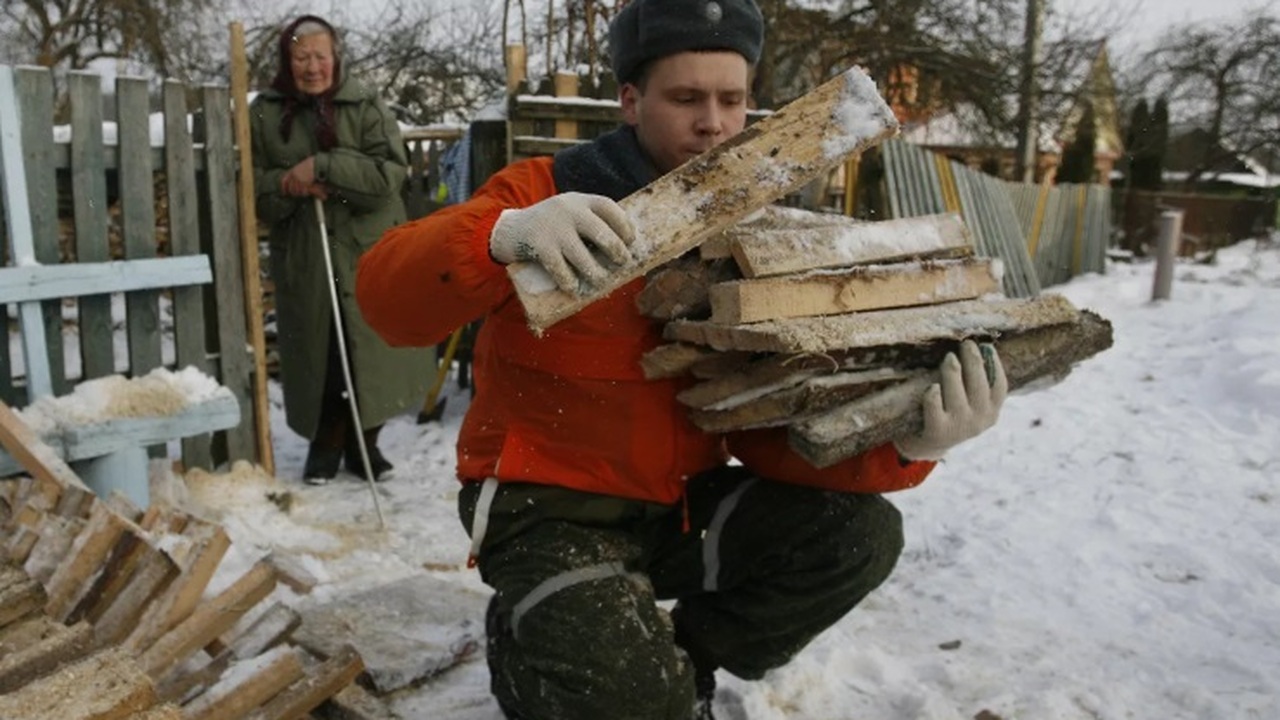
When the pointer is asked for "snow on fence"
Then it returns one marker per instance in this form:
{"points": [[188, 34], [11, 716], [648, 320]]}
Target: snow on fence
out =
{"points": [[83, 191]]}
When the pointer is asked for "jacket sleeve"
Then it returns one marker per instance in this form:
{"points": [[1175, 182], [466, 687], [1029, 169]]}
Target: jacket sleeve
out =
{"points": [[425, 278], [767, 453], [271, 205], [367, 176]]}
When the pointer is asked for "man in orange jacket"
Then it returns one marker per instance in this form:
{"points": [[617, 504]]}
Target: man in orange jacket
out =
{"points": [[587, 492]]}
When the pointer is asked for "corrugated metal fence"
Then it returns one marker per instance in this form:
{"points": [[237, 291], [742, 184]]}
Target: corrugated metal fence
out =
{"points": [[1044, 234]]}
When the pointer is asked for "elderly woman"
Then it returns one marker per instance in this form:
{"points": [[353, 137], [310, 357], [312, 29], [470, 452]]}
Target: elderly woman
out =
{"points": [[319, 135]]}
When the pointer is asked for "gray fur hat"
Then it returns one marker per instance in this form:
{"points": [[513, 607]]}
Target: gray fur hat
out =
{"points": [[649, 29]]}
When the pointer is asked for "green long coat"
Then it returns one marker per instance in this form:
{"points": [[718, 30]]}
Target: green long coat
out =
{"points": [[364, 173]]}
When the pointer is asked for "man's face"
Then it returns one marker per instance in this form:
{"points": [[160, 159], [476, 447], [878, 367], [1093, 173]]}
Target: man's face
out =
{"points": [[691, 102], [311, 60]]}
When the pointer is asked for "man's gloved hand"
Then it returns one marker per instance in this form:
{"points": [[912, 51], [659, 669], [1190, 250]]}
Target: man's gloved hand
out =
{"points": [[962, 405], [560, 234]]}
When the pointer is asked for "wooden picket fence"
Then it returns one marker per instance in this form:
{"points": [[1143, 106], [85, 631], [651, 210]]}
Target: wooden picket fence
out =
{"points": [[92, 201]]}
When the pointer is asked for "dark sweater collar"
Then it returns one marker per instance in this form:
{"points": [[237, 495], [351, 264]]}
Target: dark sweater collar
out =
{"points": [[612, 165]]}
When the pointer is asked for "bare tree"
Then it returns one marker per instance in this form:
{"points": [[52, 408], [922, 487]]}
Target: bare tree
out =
{"points": [[166, 35], [1224, 80]]}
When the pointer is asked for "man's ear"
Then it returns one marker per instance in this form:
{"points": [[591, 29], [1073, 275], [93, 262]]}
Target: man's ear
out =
{"points": [[629, 99]]}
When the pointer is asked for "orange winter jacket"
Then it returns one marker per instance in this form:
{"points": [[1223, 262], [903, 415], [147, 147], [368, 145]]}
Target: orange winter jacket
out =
{"points": [[571, 408]]}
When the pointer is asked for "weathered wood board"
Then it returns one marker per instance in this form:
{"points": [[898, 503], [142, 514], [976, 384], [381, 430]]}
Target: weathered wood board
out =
{"points": [[1044, 352], [675, 213], [780, 251], [786, 405], [682, 288], [870, 287], [904, 326]]}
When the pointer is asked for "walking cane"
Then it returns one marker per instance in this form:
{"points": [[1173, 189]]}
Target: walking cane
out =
{"points": [[346, 367]]}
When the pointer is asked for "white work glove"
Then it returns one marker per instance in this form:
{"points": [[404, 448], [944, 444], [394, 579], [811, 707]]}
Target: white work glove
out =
{"points": [[963, 403], [561, 234]]}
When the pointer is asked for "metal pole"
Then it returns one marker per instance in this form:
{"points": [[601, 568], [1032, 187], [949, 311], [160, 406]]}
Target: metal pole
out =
{"points": [[346, 366], [1029, 98], [1166, 252]]}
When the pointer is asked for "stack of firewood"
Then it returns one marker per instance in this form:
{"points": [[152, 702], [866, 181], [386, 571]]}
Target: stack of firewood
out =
{"points": [[834, 328], [106, 610]]}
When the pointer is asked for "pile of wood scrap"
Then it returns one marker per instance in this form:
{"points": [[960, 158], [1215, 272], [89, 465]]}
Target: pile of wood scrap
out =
{"points": [[107, 611], [834, 328]]}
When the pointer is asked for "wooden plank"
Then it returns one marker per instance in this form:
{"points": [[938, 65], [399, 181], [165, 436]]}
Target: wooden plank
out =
{"points": [[566, 86], [1048, 351], [20, 545], [56, 644], [100, 438], [184, 239], [28, 631], [43, 282], [270, 629], [353, 702], [902, 326], [249, 250], [104, 686], [117, 571], [797, 398], [766, 219], [292, 573], [235, 364], [870, 287], [699, 199], [20, 599], [672, 360], [84, 562], [17, 223], [247, 685], [35, 99], [35, 456], [185, 683], [55, 537], [138, 219], [682, 288], [89, 190], [311, 691], [209, 543], [765, 253], [122, 610], [209, 621]]}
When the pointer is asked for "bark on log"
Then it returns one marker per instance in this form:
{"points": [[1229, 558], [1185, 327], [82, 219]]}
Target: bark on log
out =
{"points": [[1040, 353]]}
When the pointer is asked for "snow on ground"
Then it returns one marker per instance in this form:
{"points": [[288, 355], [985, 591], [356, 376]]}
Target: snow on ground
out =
{"points": [[1109, 551]]}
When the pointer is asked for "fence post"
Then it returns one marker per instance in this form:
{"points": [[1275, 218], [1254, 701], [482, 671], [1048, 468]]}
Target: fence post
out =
{"points": [[1166, 252]]}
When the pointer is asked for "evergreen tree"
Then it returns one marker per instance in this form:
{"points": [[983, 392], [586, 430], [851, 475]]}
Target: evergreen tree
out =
{"points": [[1078, 158], [1148, 154], [1136, 137]]}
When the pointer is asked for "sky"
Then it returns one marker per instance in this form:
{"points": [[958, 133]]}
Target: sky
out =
{"points": [[1145, 20], [1109, 550]]}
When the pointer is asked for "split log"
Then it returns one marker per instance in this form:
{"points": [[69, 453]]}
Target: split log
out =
{"points": [[870, 287], [209, 621], [780, 251], [766, 219], [85, 561], [119, 611], [199, 559], [903, 326], [185, 683], [672, 360], [271, 628], [246, 685], [320, 683], [105, 686], [675, 213], [1043, 352], [54, 644], [20, 596], [291, 572], [56, 534], [682, 288], [353, 702], [773, 406]]}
